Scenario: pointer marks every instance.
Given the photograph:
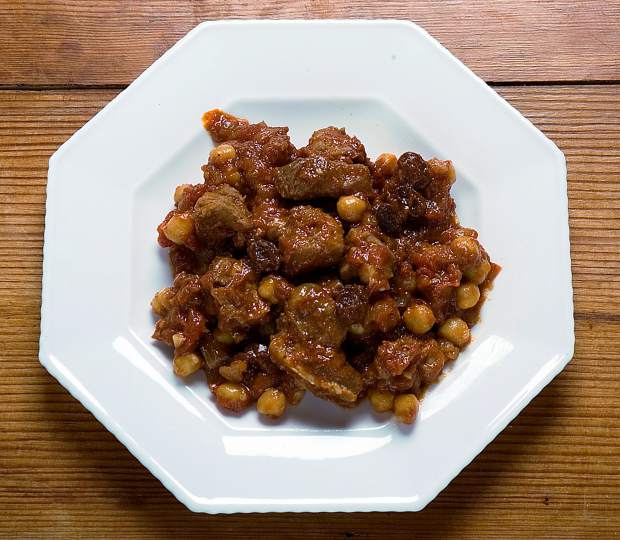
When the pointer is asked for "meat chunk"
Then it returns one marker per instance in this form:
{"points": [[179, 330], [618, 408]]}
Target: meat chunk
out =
{"points": [[323, 370], [311, 332], [222, 126], [311, 240], [333, 143], [220, 215], [311, 316], [232, 285], [369, 257], [437, 276], [258, 148], [314, 177], [407, 362], [180, 310]]}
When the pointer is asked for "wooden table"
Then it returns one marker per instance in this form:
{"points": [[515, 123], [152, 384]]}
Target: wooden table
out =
{"points": [[553, 473]]}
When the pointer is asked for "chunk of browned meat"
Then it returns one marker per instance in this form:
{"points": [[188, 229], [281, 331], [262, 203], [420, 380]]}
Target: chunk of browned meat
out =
{"points": [[258, 148], [233, 287], [181, 313], [222, 126], [334, 144], [407, 362], [311, 240], [369, 257], [220, 215], [314, 177], [311, 330], [323, 370], [437, 276], [311, 316]]}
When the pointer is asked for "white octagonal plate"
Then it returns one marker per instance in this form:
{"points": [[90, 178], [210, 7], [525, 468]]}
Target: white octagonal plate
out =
{"points": [[397, 89]]}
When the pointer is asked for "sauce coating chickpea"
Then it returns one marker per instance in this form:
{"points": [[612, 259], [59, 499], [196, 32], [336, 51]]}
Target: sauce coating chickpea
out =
{"points": [[233, 372], [477, 274], [186, 364], [221, 154], [419, 318], [381, 400], [351, 208], [179, 191], [406, 408], [386, 164], [232, 396], [467, 295], [465, 247], [455, 330], [179, 228], [267, 290], [161, 301], [272, 402]]}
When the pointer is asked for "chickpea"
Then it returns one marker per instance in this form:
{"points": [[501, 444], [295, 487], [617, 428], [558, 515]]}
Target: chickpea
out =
{"points": [[465, 247], [223, 337], [232, 396], [351, 208], [386, 164], [186, 364], [449, 349], [179, 228], [178, 339], [406, 408], [442, 168], [296, 396], [179, 191], [477, 274], [161, 301], [267, 290], [455, 330], [467, 295], [233, 178], [277, 349], [381, 400], [234, 372], [272, 402], [221, 154], [419, 318]]}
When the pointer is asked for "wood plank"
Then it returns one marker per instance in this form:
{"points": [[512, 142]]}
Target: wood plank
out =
{"points": [[55, 42], [553, 473]]}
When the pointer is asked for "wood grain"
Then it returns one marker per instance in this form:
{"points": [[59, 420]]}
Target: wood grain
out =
{"points": [[553, 473], [59, 42]]}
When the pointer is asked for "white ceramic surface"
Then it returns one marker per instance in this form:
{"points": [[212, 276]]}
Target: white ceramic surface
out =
{"points": [[397, 89]]}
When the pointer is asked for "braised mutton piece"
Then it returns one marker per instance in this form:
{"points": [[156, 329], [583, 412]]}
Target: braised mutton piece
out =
{"points": [[311, 240], [315, 177], [220, 215], [308, 344], [334, 144]]}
